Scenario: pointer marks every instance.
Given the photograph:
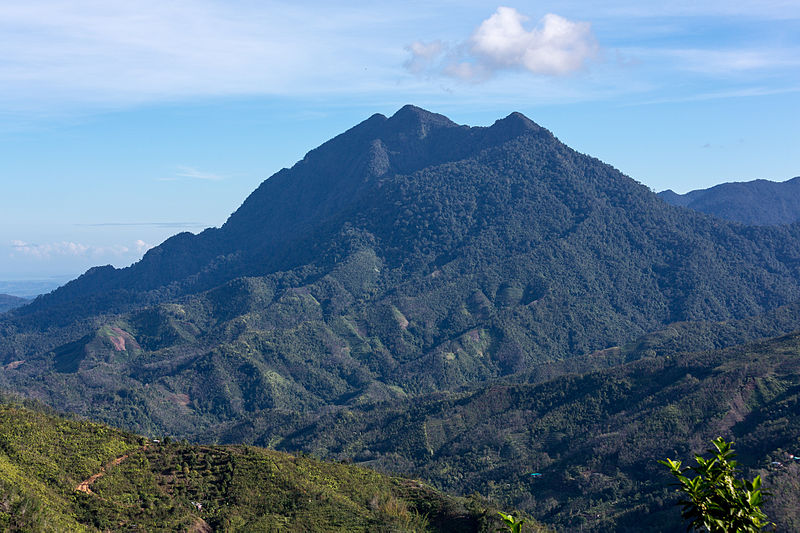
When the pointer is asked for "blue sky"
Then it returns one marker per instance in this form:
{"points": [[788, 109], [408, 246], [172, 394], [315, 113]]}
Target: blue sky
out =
{"points": [[122, 123]]}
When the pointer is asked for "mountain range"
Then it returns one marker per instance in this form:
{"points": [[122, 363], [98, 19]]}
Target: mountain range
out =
{"points": [[758, 202], [411, 275]]}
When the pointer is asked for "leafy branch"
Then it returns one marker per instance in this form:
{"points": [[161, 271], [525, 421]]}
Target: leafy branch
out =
{"points": [[715, 500]]}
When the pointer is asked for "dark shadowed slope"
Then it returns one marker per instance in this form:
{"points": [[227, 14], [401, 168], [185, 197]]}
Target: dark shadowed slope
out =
{"points": [[8, 302], [758, 203]]}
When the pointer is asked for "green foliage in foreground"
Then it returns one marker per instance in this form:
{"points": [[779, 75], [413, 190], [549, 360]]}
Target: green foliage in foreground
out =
{"points": [[175, 486], [42, 459], [512, 524], [715, 500]]}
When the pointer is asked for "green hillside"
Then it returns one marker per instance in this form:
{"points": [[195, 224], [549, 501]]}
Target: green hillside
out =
{"points": [[62, 475], [593, 438]]}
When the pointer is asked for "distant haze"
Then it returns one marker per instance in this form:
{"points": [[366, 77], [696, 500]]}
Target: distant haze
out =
{"points": [[31, 288]]}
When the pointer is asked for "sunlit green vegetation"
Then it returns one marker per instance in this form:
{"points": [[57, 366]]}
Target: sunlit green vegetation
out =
{"points": [[175, 486], [593, 439]]}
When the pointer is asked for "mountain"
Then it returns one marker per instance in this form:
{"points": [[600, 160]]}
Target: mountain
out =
{"points": [[408, 255], [63, 475], [467, 305], [756, 203], [292, 218], [8, 302]]}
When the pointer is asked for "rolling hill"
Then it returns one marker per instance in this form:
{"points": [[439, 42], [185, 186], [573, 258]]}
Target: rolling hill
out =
{"points": [[64, 475]]}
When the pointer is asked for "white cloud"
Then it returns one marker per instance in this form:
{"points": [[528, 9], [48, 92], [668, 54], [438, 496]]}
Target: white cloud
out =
{"points": [[141, 246], [70, 249], [557, 46], [423, 55]]}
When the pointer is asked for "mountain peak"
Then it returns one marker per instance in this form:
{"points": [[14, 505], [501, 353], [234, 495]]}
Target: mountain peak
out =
{"points": [[418, 120], [518, 123]]}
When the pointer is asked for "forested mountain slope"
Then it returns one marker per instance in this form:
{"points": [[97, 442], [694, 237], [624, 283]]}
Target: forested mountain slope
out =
{"points": [[406, 256], [758, 202], [580, 451]]}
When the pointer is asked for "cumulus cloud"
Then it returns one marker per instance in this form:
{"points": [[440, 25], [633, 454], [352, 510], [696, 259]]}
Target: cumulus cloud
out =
{"points": [[557, 46]]}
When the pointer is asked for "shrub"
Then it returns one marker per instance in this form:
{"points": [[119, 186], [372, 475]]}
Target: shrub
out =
{"points": [[715, 500]]}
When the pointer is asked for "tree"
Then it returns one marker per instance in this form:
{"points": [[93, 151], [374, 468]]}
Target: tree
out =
{"points": [[715, 500]]}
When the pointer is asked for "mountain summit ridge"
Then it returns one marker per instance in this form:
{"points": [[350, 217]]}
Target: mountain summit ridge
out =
{"points": [[388, 258], [289, 204], [413, 118]]}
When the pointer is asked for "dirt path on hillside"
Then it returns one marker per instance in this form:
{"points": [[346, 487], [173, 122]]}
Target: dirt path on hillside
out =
{"points": [[85, 485]]}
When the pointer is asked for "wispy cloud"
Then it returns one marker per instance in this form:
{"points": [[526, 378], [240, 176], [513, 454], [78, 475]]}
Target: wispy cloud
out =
{"points": [[74, 249], [111, 52], [195, 174], [753, 9], [170, 225], [142, 246], [745, 92], [716, 62], [557, 46]]}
